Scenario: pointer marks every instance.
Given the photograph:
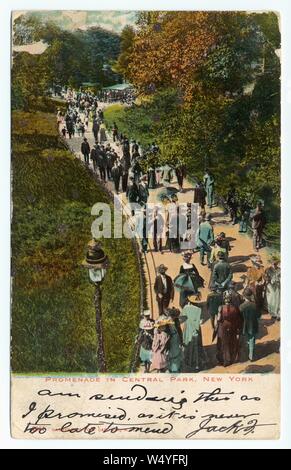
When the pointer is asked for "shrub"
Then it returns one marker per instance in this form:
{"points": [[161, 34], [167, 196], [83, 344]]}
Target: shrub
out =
{"points": [[53, 317]]}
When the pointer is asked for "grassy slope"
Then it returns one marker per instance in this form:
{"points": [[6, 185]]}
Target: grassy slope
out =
{"points": [[53, 319]]}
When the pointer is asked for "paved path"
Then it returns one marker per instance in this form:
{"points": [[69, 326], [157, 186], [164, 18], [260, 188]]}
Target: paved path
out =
{"points": [[241, 249]]}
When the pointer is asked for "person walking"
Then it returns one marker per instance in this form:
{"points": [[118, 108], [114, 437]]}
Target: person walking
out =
{"points": [[222, 274], [116, 173], [200, 195], [251, 324], [213, 302], [258, 225], [95, 129], [193, 355], [143, 191], [273, 286], [160, 346], [164, 289], [188, 280], [209, 186], [175, 341], [204, 239], [102, 133], [145, 339], [85, 149], [102, 163], [180, 174], [157, 227], [94, 157], [245, 210], [229, 328], [132, 194], [256, 282], [125, 170]]}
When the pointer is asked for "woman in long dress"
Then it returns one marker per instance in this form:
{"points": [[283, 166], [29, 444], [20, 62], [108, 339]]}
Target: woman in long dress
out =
{"points": [[160, 346], [229, 328], [146, 337], [256, 282], [193, 355], [175, 341], [273, 287], [189, 280], [102, 133]]}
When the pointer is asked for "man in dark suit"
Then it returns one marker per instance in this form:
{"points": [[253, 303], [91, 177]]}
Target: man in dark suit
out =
{"points": [[164, 289], [222, 274], [85, 149], [116, 173], [251, 320]]}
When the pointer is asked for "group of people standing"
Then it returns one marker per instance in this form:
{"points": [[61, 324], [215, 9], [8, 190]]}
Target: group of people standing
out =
{"points": [[174, 342]]}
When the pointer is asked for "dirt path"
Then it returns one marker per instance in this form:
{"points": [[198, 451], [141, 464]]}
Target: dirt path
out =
{"points": [[267, 350]]}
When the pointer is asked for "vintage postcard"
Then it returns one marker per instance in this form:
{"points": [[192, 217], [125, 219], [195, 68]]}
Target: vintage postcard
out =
{"points": [[145, 224]]}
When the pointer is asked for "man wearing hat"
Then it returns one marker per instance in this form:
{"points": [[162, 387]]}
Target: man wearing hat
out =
{"points": [[204, 239], [258, 225], [222, 274], [208, 181], [250, 316], [85, 149], [164, 289], [116, 173], [143, 191], [213, 302], [94, 156]]}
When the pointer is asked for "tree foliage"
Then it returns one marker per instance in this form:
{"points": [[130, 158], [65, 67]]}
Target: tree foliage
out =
{"points": [[70, 59]]}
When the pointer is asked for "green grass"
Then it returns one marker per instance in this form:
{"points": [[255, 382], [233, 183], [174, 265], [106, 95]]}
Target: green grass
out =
{"points": [[53, 318]]}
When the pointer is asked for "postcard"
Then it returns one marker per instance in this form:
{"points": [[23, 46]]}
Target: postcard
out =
{"points": [[145, 191]]}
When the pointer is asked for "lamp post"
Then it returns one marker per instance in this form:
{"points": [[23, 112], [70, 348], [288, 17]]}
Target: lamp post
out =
{"points": [[97, 262]]}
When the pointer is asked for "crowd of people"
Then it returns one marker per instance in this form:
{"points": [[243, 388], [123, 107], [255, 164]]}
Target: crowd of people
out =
{"points": [[174, 342], [112, 96]]}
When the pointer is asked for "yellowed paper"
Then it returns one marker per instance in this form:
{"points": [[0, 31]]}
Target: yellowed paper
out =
{"points": [[143, 407]]}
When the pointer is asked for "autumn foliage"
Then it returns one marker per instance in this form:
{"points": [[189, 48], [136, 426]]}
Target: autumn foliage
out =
{"points": [[169, 49]]}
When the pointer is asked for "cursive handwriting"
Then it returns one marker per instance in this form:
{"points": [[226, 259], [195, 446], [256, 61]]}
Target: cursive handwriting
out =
{"points": [[142, 394], [47, 392], [215, 395], [238, 427], [50, 413]]}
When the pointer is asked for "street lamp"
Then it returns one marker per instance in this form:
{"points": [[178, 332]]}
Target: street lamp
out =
{"points": [[97, 263]]}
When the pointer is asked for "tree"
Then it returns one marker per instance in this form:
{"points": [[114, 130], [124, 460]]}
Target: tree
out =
{"points": [[168, 49], [126, 46]]}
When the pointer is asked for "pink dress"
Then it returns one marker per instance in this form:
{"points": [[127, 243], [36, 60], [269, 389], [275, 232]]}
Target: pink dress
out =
{"points": [[159, 349]]}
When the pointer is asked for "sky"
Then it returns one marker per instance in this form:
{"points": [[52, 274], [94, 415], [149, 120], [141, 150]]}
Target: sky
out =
{"points": [[111, 20]]}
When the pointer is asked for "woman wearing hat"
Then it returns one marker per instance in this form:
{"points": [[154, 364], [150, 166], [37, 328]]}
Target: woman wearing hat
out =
{"points": [[175, 341], [189, 280], [194, 355], [229, 328], [273, 288], [146, 336], [160, 346], [256, 281]]}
